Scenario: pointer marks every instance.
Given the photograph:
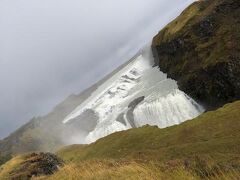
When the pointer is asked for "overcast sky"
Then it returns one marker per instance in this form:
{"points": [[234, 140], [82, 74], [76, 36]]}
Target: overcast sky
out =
{"points": [[50, 49]]}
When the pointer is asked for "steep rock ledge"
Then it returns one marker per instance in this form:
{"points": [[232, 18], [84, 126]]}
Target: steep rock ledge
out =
{"points": [[201, 50]]}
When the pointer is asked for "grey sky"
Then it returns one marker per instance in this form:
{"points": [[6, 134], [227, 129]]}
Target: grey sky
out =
{"points": [[50, 49]]}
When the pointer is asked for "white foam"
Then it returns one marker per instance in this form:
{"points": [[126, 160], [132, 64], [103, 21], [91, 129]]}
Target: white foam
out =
{"points": [[164, 104]]}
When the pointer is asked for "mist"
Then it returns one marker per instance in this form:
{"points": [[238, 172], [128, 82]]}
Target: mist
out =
{"points": [[50, 49]]}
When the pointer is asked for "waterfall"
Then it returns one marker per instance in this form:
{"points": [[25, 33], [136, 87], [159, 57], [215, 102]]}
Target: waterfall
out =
{"points": [[136, 95]]}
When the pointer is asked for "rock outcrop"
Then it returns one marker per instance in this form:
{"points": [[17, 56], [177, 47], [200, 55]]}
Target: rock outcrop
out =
{"points": [[200, 49], [31, 165]]}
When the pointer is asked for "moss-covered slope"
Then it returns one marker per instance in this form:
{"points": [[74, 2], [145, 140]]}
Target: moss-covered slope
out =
{"points": [[201, 50]]}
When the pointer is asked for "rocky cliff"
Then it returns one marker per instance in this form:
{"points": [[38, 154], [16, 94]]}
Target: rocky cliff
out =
{"points": [[201, 50]]}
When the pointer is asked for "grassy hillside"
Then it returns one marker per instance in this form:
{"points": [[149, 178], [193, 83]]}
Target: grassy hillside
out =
{"points": [[200, 49], [205, 147], [4, 158]]}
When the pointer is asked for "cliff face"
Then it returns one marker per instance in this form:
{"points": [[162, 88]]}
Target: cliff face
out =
{"points": [[201, 50]]}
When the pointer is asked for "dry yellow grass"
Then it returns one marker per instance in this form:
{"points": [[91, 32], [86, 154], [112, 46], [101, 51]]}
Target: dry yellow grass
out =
{"points": [[113, 170], [7, 168], [107, 169]]}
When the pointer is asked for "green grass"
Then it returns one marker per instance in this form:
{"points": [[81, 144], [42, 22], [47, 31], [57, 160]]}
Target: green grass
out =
{"points": [[173, 28], [5, 158], [207, 147]]}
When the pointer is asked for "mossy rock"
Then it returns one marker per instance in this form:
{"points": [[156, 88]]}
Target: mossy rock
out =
{"points": [[25, 167], [200, 49]]}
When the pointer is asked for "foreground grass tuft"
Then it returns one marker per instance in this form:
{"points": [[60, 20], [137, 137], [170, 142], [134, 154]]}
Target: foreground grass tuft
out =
{"points": [[109, 169]]}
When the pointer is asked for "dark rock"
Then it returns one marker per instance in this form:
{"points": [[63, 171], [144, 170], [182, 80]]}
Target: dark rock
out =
{"points": [[132, 106], [121, 119], [130, 118], [205, 28], [87, 121], [135, 102], [216, 84], [128, 78], [228, 6], [37, 164]]}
